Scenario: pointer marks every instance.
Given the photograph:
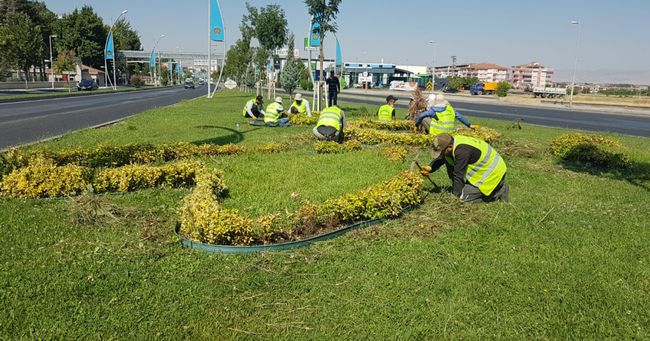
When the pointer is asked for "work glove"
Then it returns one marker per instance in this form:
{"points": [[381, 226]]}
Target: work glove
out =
{"points": [[426, 170], [475, 126]]}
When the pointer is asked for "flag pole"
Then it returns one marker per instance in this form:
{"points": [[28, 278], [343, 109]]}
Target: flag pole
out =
{"points": [[209, 46], [223, 57]]}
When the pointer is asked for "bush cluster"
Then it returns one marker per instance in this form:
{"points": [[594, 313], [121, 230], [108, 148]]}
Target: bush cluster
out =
{"points": [[594, 150], [374, 136], [45, 180], [137, 177], [407, 125], [116, 156], [202, 219], [394, 153], [331, 147], [482, 133], [303, 119]]}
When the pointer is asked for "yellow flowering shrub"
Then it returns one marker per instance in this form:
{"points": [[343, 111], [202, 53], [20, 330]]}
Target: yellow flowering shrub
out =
{"points": [[136, 177], [482, 133], [45, 180], [394, 153], [303, 119], [374, 136], [331, 147], [593, 150], [407, 125]]}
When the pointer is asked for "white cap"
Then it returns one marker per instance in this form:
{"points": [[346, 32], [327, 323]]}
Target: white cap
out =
{"points": [[278, 99], [430, 100], [298, 97]]}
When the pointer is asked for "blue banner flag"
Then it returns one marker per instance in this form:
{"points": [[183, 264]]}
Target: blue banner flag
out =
{"points": [[339, 56], [152, 59], [108, 51], [179, 68], [216, 22], [314, 34]]}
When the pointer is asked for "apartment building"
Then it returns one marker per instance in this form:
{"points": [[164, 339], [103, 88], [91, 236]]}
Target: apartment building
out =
{"points": [[530, 75], [485, 72]]}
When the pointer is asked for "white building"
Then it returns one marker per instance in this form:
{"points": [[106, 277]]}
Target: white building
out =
{"points": [[485, 72], [530, 75]]}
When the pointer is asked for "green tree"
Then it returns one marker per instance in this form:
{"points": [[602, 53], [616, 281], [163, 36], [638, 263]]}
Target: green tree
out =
{"points": [[502, 89], [292, 73], [84, 32], [324, 12], [268, 25], [66, 61], [164, 76], [21, 46], [238, 59]]}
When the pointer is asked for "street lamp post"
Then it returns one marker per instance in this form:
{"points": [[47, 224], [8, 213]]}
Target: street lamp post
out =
{"points": [[180, 61], [110, 33], [433, 66], [155, 70], [575, 64], [52, 60]]}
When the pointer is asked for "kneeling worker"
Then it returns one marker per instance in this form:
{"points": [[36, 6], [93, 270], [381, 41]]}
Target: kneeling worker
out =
{"points": [[477, 171], [387, 111], [254, 108], [330, 125], [440, 117], [300, 106], [274, 115]]}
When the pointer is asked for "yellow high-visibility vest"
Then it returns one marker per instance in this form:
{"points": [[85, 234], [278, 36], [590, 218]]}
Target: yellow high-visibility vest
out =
{"points": [[488, 170], [272, 115], [385, 113], [331, 117], [446, 122], [243, 112], [302, 107]]}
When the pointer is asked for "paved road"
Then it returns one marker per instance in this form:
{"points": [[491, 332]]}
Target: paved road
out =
{"points": [[623, 122], [24, 122]]}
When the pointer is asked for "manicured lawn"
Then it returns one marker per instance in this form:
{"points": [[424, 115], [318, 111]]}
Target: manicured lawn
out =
{"points": [[567, 258]]}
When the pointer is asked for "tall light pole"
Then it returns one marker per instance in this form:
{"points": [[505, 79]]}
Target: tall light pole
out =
{"points": [[575, 64], [155, 70], [110, 33], [52, 60], [180, 62], [433, 66]]}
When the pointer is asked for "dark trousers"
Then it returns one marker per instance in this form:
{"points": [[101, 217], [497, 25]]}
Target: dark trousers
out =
{"points": [[332, 98]]}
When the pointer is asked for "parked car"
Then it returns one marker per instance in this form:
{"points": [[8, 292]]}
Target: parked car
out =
{"points": [[87, 84], [189, 84]]}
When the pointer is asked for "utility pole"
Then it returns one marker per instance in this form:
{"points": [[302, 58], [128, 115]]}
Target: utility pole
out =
{"points": [[575, 64], [52, 60]]}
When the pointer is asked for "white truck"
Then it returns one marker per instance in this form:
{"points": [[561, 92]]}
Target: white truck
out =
{"points": [[542, 92]]}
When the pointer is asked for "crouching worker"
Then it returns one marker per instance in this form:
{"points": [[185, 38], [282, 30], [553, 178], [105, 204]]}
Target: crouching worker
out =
{"points": [[254, 108], [440, 117], [330, 125], [477, 171], [387, 111], [300, 106], [275, 116]]}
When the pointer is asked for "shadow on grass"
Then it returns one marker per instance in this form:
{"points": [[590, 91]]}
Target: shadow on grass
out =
{"points": [[230, 136], [635, 173]]}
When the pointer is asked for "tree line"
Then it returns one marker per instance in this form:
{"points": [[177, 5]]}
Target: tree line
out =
{"points": [[26, 27]]}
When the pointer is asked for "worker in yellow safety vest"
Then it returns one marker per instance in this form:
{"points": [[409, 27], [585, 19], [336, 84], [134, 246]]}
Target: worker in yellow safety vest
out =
{"points": [[254, 108], [387, 111], [274, 116], [330, 125], [476, 169], [300, 106], [440, 117]]}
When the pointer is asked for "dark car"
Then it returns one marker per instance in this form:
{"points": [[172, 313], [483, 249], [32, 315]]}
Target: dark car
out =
{"points": [[189, 84], [87, 84]]}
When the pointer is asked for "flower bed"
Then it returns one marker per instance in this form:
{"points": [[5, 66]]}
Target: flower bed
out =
{"points": [[482, 133], [45, 180], [406, 125], [302, 119], [203, 220], [374, 136], [394, 153]]}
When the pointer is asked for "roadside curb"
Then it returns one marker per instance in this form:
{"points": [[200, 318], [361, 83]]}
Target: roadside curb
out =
{"points": [[83, 94]]}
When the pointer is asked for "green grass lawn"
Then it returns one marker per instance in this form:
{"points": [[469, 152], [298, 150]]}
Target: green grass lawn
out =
{"points": [[567, 258]]}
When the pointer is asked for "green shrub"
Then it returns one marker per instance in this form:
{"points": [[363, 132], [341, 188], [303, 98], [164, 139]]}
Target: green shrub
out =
{"points": [[502, 89], [302, 119], [307, 85], [45, 180], [331, 147], [482, 133], [373, 136], [137, 177], [394, 153], [593, 150], [407, 125]]}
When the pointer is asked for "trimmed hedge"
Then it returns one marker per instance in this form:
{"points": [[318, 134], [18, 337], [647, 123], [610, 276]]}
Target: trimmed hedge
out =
{"points": [[137, 177], [406, 125], [394, 153], [593, 150], [482, 133], [45, 180], [303, 119], [331, 147]]}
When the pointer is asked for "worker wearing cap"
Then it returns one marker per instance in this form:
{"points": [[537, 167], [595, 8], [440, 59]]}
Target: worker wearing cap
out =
{"points": [[274, 113], [440, 117], [387, 111], [331, 124], [254, 108], [300, 106], [476, 169]]}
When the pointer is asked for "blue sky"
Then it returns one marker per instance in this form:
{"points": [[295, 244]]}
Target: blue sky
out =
{"points": [[614, 35]]}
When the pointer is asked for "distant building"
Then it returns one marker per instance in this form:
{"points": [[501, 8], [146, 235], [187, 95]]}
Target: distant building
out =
{"points": [[530, 75], [81, 72], [485, 72]]}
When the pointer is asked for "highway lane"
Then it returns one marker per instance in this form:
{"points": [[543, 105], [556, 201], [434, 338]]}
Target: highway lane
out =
{"points": [[29, 121], [618, 122]]}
